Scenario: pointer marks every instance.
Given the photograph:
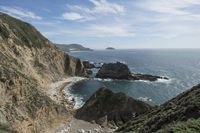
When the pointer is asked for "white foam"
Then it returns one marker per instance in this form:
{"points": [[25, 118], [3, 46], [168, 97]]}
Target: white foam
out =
{"points": [[99, 79], [106, 80], [145, 81], [145, 99], [167, 81], [78, 100]]}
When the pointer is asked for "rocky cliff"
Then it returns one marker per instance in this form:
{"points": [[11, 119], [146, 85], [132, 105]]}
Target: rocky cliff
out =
{"points": [[113, 109], [28, 64], [179, 115]]}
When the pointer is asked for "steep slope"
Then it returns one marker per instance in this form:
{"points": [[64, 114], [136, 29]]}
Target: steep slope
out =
{"points": [[28, 64], [189, 126], [162, 119], [108, 108]]}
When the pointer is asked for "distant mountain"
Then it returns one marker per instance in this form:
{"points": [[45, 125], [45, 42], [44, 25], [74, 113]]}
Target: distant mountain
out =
{"points": [[72, 47], [110, 48]]}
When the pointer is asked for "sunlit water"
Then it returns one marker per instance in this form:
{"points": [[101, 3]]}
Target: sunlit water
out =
{"points": [[181, 66]]}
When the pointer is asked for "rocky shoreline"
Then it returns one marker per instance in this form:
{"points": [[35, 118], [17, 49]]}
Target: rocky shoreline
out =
{"points": [[58, 91]]}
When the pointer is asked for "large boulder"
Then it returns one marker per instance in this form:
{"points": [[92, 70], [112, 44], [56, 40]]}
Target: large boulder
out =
{"points": [[106, 107], [88, 65], [114, 71]]}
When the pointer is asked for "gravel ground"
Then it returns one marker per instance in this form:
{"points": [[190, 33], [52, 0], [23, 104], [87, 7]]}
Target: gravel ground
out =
{"points": [[80, 126]]}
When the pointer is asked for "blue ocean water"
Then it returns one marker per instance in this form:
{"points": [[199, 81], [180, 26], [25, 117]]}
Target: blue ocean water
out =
{"points": [[182, 66]]}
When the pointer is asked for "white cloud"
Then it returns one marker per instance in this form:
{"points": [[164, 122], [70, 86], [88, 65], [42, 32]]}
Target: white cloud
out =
{"points": [[165, 18], [119, 30], [72, 16], [174, 7], [58, 32], [153, 19], [19, 12], [76, 16], [103, 6], [100, 6]]}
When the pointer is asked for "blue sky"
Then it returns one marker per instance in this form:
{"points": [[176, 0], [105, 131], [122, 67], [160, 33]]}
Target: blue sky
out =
{"points": [[118, 23]]}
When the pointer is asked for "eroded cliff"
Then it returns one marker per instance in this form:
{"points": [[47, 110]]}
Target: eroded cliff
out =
{"points": [[28, 64]]}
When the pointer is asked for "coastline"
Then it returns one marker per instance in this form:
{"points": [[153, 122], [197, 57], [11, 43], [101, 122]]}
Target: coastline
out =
{"points": [[59, 92]]}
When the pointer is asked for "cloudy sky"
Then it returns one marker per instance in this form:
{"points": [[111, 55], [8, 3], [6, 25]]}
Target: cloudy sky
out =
{"points": [[118, 23]]}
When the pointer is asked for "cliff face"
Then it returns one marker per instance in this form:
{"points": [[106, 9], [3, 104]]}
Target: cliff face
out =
{"points": [[183, 109], [28, 64]]}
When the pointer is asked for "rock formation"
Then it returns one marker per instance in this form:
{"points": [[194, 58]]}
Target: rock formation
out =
{"points": [[121, 71], [28, 64], [114, 71], [88, 65], [106, 107]]}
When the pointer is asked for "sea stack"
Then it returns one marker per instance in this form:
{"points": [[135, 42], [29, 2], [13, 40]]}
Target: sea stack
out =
{"points": [[122, 72]]}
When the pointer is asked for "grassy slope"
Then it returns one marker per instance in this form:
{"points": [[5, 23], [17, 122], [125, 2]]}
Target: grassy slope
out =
{"points": [[180, 109]]}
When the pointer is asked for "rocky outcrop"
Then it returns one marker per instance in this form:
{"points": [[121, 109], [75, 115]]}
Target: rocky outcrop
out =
{"points": [[88, 65], [121, 71], [106, 107], [164, 118], [114, 71], [146, 77], [28, 64]]}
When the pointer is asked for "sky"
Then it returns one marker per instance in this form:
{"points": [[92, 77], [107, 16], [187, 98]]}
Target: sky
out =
{"points": [[122, 24]]}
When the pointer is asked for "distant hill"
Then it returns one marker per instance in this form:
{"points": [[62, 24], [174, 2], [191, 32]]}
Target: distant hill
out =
{"points": [[72, 47], [110, 48]]}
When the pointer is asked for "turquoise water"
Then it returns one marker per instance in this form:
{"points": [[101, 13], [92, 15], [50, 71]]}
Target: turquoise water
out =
{"points": [[180, 65]]}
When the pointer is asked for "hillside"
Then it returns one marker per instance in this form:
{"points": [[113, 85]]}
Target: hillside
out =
{"points": [[72, 47], [28, 64], [179, 115], [108, 108]]}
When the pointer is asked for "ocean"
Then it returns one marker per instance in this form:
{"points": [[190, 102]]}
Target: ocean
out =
{"points": [[181, 66]]}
